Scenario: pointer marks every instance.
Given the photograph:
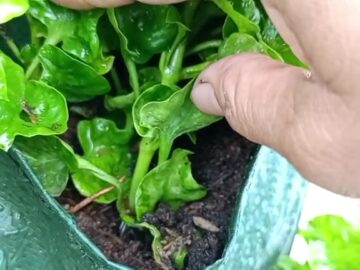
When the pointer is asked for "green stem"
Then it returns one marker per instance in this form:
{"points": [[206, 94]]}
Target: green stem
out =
{"points": [[36, 61], [210, 44], [119, 102], [130, 65], [172, 71], [86, 165], [193, 71], [129, 124], [116, 80], [164, 149], [32, 67], [12, 46], [171, 62], [133, 75], [147, 150]]}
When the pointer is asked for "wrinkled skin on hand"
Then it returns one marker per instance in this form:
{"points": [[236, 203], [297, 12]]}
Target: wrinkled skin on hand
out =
{"points": [[313, 119], [88, 4]]}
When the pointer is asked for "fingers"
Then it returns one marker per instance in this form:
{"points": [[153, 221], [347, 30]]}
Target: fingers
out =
{"points": [[281, 106], [79, 4], [160, 2], [254, 93], [325, 34], [88, 4]]}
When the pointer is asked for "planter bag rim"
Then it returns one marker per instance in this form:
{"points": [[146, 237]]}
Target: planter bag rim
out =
{"points": [[264, 225]]}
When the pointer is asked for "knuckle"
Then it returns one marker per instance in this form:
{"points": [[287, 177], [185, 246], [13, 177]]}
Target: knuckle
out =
{"points": [[236, 95]]}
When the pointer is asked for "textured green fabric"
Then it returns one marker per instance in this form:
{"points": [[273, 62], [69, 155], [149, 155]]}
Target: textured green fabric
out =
{"points": [[37, 234]]}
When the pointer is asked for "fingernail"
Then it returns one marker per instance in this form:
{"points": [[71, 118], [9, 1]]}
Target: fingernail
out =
{"points": [[203, 96]]}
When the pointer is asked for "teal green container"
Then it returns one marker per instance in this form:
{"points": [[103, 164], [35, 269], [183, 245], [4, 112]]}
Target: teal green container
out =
{"points": [[36, 233]]}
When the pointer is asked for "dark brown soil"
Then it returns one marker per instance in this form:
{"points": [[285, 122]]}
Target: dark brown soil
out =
{"points": [[220, 163]]}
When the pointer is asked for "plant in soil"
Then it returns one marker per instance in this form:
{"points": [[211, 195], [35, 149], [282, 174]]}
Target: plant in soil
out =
{"points": [[124, 75]]}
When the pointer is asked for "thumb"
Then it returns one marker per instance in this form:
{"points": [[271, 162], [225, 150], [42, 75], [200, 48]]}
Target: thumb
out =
{"points": [[255, 94], [278, 105]]}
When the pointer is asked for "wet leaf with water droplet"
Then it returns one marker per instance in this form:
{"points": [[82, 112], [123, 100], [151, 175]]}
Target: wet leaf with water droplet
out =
{"points": [[145, 30], [31, 107]]}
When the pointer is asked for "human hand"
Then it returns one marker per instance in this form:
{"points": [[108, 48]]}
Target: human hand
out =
{"points": [[88, 4], [313, 119]]}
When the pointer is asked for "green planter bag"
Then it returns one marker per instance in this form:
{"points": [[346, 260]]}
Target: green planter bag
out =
{"points": [[37, 233]]}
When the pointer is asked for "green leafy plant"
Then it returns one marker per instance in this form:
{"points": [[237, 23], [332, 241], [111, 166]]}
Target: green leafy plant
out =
{"points": [[139, 62], [12, 8], [333, 243]]}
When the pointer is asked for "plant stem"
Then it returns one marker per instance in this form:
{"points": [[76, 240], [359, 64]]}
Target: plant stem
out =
{"points": [[129, 124], [119, 102], [210, 44], [171, 61], [31, 68], [133, 75], [12, 46], [36, 61], [164, 149], [82, 163], [147, 150], [116, 80], [193, 71], [171, 72]]}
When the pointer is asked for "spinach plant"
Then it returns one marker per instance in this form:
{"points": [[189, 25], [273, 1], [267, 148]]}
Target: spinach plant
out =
{"points": [[140, 61], [333, 243]]}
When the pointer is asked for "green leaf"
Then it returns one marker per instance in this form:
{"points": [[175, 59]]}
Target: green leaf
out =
{"points": [[76, 30], [170, 182], [52, 160], [156, 245], [14, 35], [155, 94], [286, 263], [59, 21], [242, 22], [28, 53], [273, 39], [165, 113], [75, 79], [47, 158], [145, 30], [106, 147], [247, 8], [10, 9], [149, 75], [12, 84], [31, 108], [333, 243], [237, 43], [179, 257], [76, 162], [268, 40], [3, 84], [85, 43], [335, 238]]}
